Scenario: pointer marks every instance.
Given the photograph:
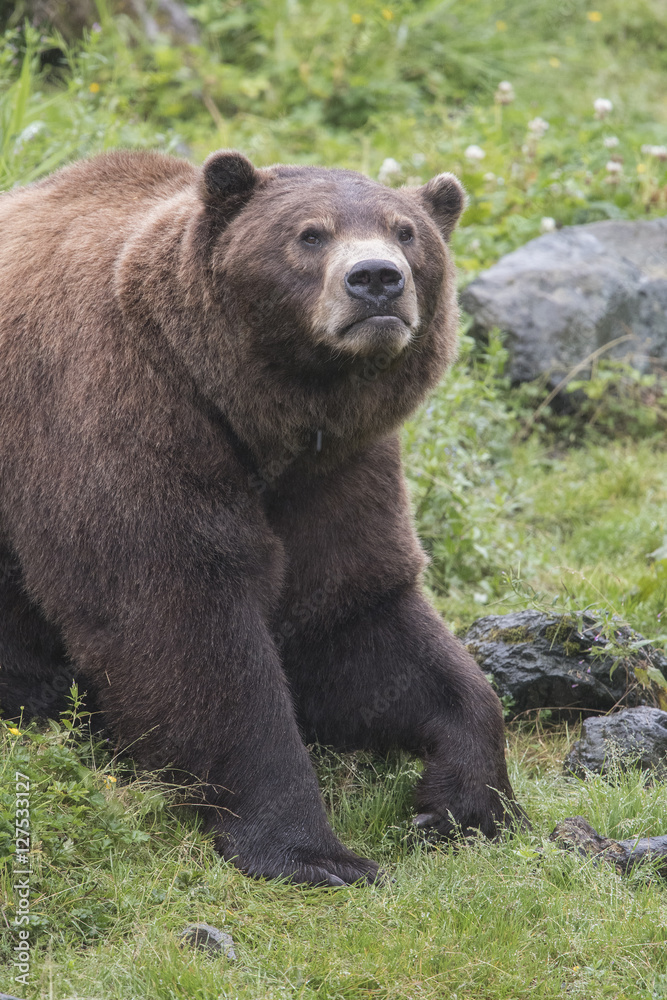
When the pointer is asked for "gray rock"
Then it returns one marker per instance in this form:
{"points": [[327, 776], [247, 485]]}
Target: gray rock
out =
{"points": [[539, 660], [203, 937], [566, 294], [634, 737], [6, 996]]}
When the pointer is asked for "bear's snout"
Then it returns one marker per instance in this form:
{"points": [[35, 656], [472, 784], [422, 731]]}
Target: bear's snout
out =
{"points": [[375, 282], [368, 301]]}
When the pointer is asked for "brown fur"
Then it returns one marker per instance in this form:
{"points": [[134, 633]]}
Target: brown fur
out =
{"points": [[202, 509]]}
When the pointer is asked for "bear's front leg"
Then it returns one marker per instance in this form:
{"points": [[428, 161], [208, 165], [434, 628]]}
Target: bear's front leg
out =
{"points": [[391, 675], [164, 616], [370, 663], [200, 688], [262, 799]]}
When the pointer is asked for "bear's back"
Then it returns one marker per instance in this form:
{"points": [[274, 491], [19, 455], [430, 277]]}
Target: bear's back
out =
{"points": [[60, 241], [80, 214], [123, 176], [60, 238]]}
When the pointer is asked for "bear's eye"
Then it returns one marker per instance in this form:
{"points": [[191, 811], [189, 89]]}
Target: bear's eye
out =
{"points": [[406, 234], [311, 237]]}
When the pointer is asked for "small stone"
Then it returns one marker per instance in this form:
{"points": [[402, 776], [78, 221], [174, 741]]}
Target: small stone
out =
{"points": [[203, 937], [6, 996], [633, 737]]}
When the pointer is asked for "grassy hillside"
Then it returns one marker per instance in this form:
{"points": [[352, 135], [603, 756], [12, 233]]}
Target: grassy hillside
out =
{"points": [[515, 512]]}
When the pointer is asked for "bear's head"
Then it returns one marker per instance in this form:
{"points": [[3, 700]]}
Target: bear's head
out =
{"points": [[307, 303], [333, 258]]}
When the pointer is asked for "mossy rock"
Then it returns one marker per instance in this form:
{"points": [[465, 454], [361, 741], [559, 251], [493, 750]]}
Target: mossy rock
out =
{"points": [[566, 664]]}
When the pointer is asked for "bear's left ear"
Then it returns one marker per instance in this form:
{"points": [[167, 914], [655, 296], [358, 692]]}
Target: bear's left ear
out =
{"points": [[227, 175], [444, 199]]}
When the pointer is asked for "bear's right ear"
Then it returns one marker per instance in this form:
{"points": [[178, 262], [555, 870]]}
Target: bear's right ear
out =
{"points": [[227, 176]]}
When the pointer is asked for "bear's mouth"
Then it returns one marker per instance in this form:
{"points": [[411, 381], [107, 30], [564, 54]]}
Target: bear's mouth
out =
{"points": [[379, 321], [377, 331]]}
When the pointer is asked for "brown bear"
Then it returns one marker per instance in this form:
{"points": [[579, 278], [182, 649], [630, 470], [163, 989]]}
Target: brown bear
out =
{"points": [[203, 516]]}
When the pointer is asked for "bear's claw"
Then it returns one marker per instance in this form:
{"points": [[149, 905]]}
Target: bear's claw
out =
{"points": [[435, 825], [424, 820], [357, 871]]}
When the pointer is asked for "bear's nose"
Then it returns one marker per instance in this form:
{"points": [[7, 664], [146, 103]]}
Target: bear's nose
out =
{"points": [[374, 281]]}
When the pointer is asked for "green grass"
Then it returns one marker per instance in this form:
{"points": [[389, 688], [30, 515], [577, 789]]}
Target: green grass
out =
{"points": [[304, 82], [562, 510], [508, 522], [118, 875]]}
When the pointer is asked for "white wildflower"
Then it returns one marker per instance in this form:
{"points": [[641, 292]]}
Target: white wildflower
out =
{"points": [[537, 127], [610, 142], [390, 168], [660, 152], [490, 176], [31, 130], [572, 188], [28, 133], [474, 153], [504, 93], [614, 167], [547, 225], [418, 159], [602, 106]]}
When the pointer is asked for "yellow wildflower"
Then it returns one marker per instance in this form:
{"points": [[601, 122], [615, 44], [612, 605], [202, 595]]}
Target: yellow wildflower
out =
{"points": [[94, 88], [501, 26], [387, 15], [641, 168], [356, 19], [554, 62], [14, 731], [594, 16]]}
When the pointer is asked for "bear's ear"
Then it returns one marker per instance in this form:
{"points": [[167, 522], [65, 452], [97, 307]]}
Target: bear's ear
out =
{"points": [[227, 175], [444, 199]]}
